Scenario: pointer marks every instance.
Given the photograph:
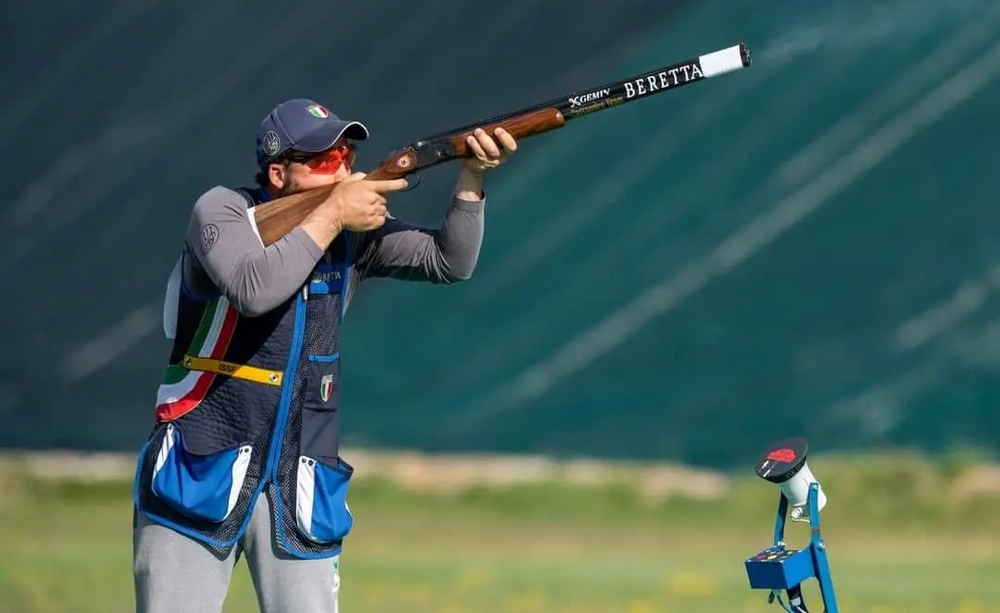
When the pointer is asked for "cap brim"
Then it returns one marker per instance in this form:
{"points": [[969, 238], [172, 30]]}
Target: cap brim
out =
{"points": [[327, 134]]}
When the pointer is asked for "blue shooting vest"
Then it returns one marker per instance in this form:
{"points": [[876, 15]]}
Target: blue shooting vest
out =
{"points": [[250, 405]]}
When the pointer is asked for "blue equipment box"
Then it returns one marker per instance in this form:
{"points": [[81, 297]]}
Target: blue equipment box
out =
{"points": [[779, 568]]}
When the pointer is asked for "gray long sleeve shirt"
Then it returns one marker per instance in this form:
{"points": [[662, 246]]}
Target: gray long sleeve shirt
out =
{"points": [[223, 253]]}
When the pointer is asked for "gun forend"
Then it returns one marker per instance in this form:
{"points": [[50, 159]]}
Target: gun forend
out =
{"points": [[519, 126], [445, 147]]}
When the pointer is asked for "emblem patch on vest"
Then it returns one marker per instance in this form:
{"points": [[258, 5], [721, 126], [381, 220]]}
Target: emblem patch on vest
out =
{"points": [[326, 387]]}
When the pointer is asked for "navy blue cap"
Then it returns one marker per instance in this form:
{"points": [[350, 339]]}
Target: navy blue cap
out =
{"points": [[303, 125]]}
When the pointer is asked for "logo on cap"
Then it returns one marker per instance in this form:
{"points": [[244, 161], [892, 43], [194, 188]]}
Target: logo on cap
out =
{"points": [[317, 110], [271, 142]]}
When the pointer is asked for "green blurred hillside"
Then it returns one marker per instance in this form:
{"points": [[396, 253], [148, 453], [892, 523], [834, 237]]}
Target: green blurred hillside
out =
{"points": [[808, 246], [903, 535]]}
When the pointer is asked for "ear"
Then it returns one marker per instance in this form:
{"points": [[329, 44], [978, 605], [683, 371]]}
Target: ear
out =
{"points": [[277, 175]]}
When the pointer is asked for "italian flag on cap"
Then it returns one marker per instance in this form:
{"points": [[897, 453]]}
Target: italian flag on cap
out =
{"points": [[317, 110]]}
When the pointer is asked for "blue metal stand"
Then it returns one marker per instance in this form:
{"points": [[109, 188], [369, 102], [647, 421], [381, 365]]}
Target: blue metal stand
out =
{"points": [[778, 568]]}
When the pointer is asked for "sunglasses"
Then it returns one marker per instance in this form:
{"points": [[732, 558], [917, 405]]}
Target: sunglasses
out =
{"points": [[327, 162]]}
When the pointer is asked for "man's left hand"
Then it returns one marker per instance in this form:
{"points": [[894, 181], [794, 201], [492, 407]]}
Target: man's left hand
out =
{"points": [[488, 154]]}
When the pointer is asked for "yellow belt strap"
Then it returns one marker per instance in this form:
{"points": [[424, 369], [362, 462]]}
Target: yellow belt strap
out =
{"points": [[240, 371]]}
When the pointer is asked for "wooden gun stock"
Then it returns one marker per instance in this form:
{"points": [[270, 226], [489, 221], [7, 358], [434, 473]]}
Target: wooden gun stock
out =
{"points": [[280, 216]]}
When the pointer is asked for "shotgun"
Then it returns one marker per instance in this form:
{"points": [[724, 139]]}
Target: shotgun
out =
{"points": [[277, 217]]}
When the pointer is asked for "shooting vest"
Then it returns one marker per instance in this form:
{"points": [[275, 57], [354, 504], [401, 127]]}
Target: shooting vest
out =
{"points": [[249, 404]]}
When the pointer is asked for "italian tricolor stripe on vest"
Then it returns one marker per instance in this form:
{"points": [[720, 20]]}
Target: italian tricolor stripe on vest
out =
{"points": [[181, 389]]}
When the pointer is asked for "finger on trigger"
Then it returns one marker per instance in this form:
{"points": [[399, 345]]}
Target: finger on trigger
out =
{"points": [[389, 185]]}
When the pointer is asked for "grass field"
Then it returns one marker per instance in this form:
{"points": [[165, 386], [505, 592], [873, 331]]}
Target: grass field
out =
{"points": [[903, 536]]}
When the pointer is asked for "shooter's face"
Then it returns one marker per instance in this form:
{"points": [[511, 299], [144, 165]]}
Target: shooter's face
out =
{"points": [[304, 171]]}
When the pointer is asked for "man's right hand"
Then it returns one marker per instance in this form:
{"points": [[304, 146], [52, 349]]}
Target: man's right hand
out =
{"points": [[358, 204]]}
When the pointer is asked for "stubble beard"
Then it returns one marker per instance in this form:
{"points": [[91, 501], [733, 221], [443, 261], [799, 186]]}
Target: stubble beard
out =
{"points": [[290, 187]]}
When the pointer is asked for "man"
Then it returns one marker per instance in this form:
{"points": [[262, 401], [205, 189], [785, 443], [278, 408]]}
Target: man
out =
{"points": [[243, 459]]}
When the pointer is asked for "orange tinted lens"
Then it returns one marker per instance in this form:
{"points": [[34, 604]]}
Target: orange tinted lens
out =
{"points": [[331, 161]]}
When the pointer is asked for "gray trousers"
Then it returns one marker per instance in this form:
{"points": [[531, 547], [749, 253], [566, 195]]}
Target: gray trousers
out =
{"points": [[176, 574]]}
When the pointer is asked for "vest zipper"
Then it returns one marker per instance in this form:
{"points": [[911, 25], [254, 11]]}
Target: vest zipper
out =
{"points": [[277, 437]]}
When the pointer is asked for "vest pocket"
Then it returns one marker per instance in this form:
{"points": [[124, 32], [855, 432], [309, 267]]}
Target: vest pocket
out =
{"points": [[320, 431], [204, 487], [321, 511]]}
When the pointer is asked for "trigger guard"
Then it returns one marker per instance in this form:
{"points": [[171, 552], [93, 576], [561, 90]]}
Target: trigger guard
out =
{"points": [[412, 186]]}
